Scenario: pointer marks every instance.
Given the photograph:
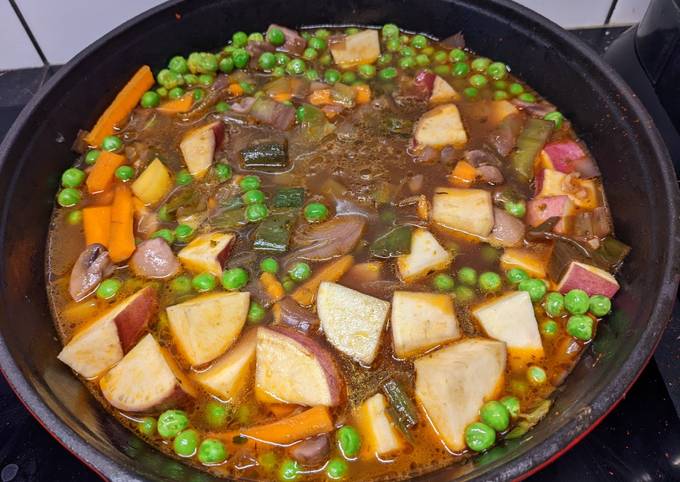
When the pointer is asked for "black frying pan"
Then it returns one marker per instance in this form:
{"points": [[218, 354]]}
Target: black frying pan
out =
{"points": [[638, 178]]}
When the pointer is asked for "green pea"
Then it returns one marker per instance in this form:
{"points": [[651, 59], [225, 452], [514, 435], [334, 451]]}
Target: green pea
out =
{"points": [[204, 282], [191, 79], [75, 217], [336, 468], [108, 288], [348, 440], [443, 282], [205, 80], [554, 304], [331, 76], [221, 107], [175, 93], [549, 328], [216, 414], [536, 375], [392, 44], [478, 80], [150, 99], [164, 215], [460, 69], [384, 60], [184, 233], [296, 67], [312, 74], [181, 285], [440, 57], [268, 461], [404, 39], [479, 436], [253, 196], [112, 143], [317, 43], [580, 326], [125, 173], [91, 156], [351, 30], [388, 73], [422, 60], [517, 209], [322, 33], [169, 79], [442, 70], [390, 30], [467, 276], [310, 54], [515, 88], [269, 265], [490, 282], [497, 70], [577, 302], [239, 39], [471, 92], [288, 284], [147, 426], [495, 415], [234, 279], [519, 387], [281, 59], [226, 65], [480, 64], [406, 51], [256, 212], [500, 95], [223, 172], [419, 41], [207, 63], [458, 55], [512, 405], [241, 58], [489, 253], [289, 470], [407, 62], [348, 77], [278, 71], [249, 183], [315, 212], [276, 37], [600, 305], [300, 272], [464, 294], [212, 451], [243, 414], [178, 65], [197, 94], [535, 287], [256, 312], [166, 234], [516, 275], [256, 37], [556, 117], [500, 85], [185, 443], [366, 71], [527, 97], [72, 177]]}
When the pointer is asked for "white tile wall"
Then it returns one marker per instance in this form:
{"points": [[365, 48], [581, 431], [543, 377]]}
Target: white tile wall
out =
{"points": [[16, 50], [629, 11], [571, 13]]}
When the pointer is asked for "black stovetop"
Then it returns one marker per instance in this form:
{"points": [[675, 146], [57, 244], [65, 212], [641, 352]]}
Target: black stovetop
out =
{"points": [[638, 441]]}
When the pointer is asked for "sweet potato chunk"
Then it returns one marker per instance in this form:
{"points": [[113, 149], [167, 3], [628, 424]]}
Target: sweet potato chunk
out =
{"points": [[356, 49], [442, 92], [352, 321], [440, 127], [591, 279], [426, 256], [198, 147], [466, 210], [379, 435], [207, 252], [153, 183]]}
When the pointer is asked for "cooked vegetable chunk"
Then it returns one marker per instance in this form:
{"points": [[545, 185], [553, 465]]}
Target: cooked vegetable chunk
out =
{"points": [[442, 92], [453, 383], [534, 261], [305, 294], [380, 437], [540, 210], [153, 183], [206, 326], [510, 318], [466, 210], [426, 256], [154, 259], [352, 321], [295, 368], [229, 375], [359, 48], [422, 320], [591, 279], [207, 252], [146, 378], [440, 127], [582, 192], [198, 147]]}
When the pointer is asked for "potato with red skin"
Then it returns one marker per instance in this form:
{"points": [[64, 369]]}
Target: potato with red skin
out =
{"points": [[292, 367], [198, 147], [133, 320], [540, 210], [591, 279]]}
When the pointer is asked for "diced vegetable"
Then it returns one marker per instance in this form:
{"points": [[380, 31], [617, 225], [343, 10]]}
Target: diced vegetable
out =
{"points": [[510, 318], [198, 147], [582, 192], [440, 127], [207, 252], [144, 379], [529, 144], [352, 321], [126, 100], [466, 210], [336, 237], [380, 437], [205, 327], [273, 233], [97, 225], [442, 92], [230, 374], [272, 287], [541, 209], [265, 156], [289, 197], [508, 231], [534, 261], [463, 174], [102, 174], [178, 106], [154, 259], [568, 156], [275, 114], [453, 383], [311, 422], [352, 50], [395, 242], [313, 123], [402, 407], [295, 368], [332, 271], [426, 256], [121, 239], [153, 183], [421, 321], [290, 313], [592, 280]]}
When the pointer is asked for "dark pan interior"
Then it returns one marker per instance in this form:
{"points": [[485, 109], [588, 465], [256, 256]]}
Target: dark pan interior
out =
{"points": [[637, 173]]}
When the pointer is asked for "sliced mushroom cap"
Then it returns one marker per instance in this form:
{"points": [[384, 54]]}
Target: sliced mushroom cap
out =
{"points": [[154, 259], [311, 452], [91, 267]]}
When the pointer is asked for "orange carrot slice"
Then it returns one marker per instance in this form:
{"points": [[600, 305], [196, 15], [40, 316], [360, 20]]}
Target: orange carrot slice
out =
{"points": [[97, 224], [332, 271], [311, 422], [363, 94], [122, 238], [463, 175], [102, 174], [178, 106], [272, 286]]}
